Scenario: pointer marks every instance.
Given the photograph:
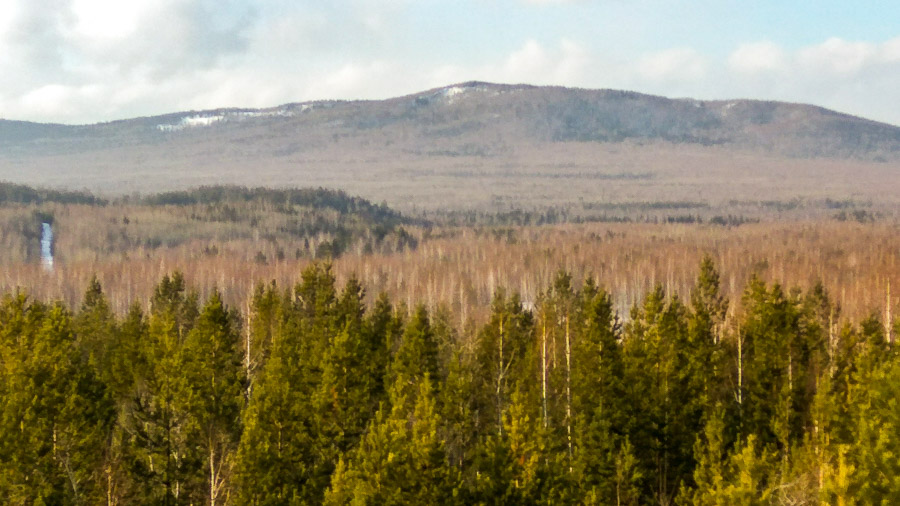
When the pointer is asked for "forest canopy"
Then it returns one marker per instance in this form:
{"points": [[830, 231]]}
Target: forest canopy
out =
{"points": [[312, 395]]}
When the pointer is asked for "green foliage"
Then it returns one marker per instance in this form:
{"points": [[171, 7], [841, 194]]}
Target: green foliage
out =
{"points": [[322, 397], [401, 460], [55, 413], [503, 357], [416, 357]]}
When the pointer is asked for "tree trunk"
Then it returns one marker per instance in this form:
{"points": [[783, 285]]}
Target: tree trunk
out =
{"points": [[888, 319], [544, 373], [500, 374], [569, 392], [247, 352], [740, 369], [831, 343], [212, 474]]}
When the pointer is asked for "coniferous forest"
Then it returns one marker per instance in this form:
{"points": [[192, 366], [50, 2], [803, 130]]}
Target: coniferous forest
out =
{"points": [[318, 393], [483, 253]]}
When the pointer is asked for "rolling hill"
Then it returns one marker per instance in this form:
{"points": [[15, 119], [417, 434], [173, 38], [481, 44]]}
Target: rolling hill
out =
{"points": [[479, 146]]}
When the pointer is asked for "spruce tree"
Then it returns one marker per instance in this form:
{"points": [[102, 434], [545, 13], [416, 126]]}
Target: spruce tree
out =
{"points": [[165, 466], [215, 387], [401, 459], [55, 413], [598, 399], [655, 424], [504, 348]]}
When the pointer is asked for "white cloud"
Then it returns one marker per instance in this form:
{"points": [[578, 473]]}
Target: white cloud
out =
{"points": [[758, 57], [55, 99], [850, 58], [838, 56], [49, 98], [858, 77], [534, 63], [8, 14], [890, 51], [353, 80], [833, 56], [566, 63], [531, 63], [109, 18], [676, 64]]}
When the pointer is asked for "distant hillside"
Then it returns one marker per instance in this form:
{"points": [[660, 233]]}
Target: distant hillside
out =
{"points": [[479, 111], [477, 145]]}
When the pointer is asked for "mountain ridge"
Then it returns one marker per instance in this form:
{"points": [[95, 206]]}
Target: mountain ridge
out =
{"points": [[484, 146], [534, 113], [432, 91]]}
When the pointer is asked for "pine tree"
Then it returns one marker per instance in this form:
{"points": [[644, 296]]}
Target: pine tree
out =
{"points": [[701, 369], [416, 357], [277, 446], [628, 476], [401, 459], [341, 402], [215, 385], [776, 404], [99, 339], [312, 321], [164, 465], [263, 324], [503, 357], [112, 353], [122, 485], [656, 422], [55, 414], [876, 422], [381, 330], [598, 399], [559, 325], [746, 478], [538, 470], [457, 406]]}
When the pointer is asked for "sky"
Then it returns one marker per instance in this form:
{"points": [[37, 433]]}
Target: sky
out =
{"points": [[86, 61]]}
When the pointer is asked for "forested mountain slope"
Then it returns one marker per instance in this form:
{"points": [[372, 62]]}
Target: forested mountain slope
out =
{"points": [[479, 112], [477, 145]]}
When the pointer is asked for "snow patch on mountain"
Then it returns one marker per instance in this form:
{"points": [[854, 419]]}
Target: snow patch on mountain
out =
{"points": [[209, 119], [453, 93]]}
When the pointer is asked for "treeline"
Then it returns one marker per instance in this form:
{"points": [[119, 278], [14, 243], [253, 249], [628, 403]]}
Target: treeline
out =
{"points": [[638, 213], [283, 199], [312, 396], [11, 193]]}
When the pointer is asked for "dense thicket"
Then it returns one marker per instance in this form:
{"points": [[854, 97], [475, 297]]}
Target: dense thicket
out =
{"points": [[313, 396]]}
